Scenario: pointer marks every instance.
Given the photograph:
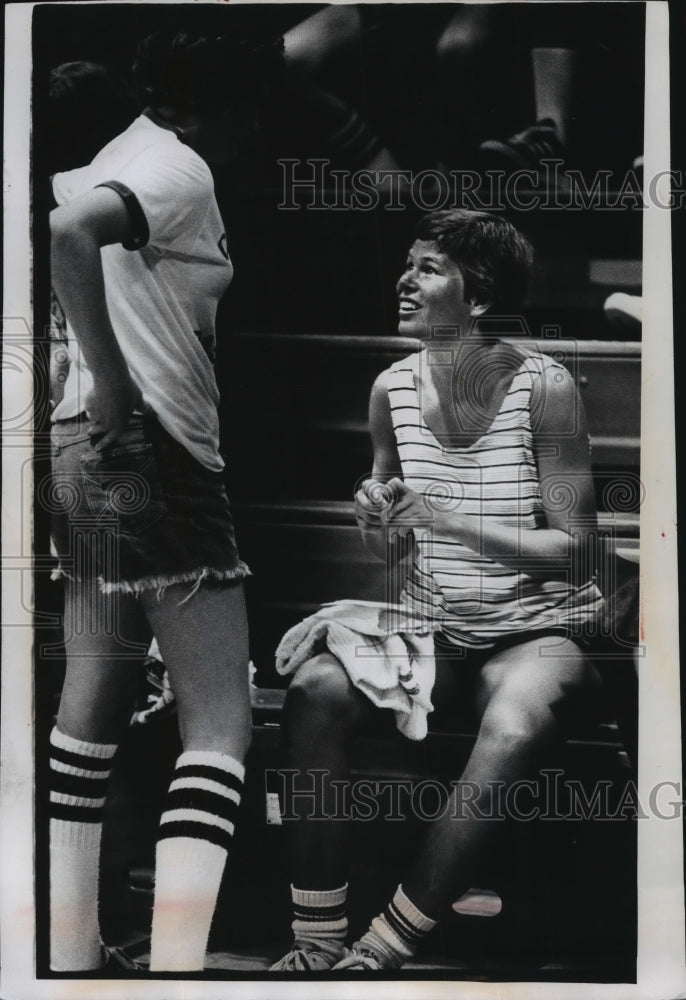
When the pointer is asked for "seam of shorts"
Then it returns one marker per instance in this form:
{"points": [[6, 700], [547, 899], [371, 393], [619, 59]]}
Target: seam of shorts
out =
{"points": [[160, 583]]}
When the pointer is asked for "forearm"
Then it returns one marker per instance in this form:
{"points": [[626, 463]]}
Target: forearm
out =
{"points": [[78, 282], [375, 542], [547, 552]]}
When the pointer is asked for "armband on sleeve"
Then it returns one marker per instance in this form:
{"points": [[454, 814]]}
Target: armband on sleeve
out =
{"points": [[140, 232]]}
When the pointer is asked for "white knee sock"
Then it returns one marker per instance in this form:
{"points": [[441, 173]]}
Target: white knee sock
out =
{"points": [[79, 772], [193, 842]]}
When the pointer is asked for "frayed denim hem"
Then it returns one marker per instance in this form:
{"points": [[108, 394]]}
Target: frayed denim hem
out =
{"points": [[159, 584]]}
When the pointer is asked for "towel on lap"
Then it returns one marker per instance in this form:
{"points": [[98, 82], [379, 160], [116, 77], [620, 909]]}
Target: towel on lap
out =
{"points": [[387, 652]]}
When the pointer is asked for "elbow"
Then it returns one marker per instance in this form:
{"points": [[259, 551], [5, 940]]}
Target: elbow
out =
{"points": [[573, 559], [72, 246], [65, 240], [61, 225]]}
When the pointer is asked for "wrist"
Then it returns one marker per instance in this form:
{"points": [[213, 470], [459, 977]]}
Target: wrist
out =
{"points": [[115, 376]]}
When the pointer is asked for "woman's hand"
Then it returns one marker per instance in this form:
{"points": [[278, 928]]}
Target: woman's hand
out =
{"points": [[370, 501], [407, 511], [109, 407]]}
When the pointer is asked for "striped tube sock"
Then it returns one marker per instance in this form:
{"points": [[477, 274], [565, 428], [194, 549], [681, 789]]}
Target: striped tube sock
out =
{"points": [[193, 842], [395, 934], [79, 772], [319, 918]]}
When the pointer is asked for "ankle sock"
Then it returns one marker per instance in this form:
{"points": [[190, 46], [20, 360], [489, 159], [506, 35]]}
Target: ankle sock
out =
{"points": [[193, 842], [319, 918], [396, 933], [79, 774]]}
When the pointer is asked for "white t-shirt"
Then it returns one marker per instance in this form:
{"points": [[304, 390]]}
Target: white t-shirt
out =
{"points": [[162, 292]]}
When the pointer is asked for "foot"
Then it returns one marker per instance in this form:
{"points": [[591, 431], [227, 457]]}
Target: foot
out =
{"points": [[117, 964], [306, 956], [527, 149], [360, 959]]}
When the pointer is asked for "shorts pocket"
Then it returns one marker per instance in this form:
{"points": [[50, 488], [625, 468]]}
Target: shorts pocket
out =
{"points": [[122, 485]]}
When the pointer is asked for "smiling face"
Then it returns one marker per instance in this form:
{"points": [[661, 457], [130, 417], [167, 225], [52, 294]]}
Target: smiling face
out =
{"points": [[431, 295]]}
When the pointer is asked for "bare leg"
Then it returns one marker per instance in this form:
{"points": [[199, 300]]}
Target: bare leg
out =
{"points": [[105, 641], [522, 695], [462, 67], [203, 640], [554, 87], [323, 713], [204, 645]]}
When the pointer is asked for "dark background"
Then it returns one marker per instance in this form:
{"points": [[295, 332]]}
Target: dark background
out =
{"points": [[334, 273]]}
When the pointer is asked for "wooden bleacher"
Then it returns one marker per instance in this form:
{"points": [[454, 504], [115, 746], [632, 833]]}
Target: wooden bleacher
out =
{"points": [[567, 888]]}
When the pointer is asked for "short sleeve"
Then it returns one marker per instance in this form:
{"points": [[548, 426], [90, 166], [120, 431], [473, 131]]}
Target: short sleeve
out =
{"points": [[167, 196]]}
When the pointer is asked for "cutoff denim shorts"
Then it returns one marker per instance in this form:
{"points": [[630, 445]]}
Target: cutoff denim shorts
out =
{"points": [[141, 514]]}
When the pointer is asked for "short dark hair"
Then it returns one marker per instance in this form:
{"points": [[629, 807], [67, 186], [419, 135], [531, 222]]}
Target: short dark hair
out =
{"points": [[494, 257], [205, 72], [89, 105]]}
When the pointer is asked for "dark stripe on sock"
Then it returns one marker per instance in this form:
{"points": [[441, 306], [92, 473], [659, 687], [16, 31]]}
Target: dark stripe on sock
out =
{"points": [[75, 814], [210, 774], [402, 927], [199, 831], [73, 784], [82, 761], [200, 798], [311, 913]]}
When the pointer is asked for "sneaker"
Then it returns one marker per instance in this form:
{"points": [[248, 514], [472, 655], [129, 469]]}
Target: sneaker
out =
{"points": [[359, 959], [305, 956], [525, 150], [117, 963], [156, 699]]}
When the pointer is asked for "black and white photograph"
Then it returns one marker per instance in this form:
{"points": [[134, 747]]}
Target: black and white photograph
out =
{"points": [[340, 649]]}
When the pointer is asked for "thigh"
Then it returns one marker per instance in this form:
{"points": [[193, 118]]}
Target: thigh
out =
{"points": [[105, 639], [549, 679], [453, 693], [202, 633]]}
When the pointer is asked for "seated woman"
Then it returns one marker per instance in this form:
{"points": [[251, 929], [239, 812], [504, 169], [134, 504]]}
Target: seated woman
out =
{"points": [[482, 452]]}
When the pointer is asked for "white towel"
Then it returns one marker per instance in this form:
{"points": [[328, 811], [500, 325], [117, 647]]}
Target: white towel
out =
{"points": [[387, 652]]}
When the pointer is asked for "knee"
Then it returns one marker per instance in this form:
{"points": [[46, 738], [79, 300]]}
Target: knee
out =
{"points": [[464, 39], [320, 697], [509, 731]]}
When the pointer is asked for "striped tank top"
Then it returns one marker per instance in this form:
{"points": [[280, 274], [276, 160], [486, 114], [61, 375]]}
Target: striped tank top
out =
{"points": [[472, 598]]}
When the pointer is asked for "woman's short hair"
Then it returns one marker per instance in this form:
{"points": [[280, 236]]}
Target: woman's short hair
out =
{"points": [[205, 72], [494, 258]]}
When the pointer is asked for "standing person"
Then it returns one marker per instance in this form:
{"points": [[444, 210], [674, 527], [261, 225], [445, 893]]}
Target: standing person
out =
{"points": [[143, 527], [476, 441]]}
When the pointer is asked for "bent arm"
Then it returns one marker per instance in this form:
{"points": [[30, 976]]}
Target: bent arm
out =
{"points": [[78, 230], [561, 548], [386, 465]]}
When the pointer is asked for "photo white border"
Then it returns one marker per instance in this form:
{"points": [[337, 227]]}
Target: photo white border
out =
{"points": [[661, 955]]}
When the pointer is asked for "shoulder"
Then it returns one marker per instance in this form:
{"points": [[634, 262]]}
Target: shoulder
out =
{"points": [[394, 376], [555, 402], [148, 154]]}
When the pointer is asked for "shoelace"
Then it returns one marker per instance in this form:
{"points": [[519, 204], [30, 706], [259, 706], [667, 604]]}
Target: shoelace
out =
{"points": [[360, 958], [298, 960], [117, 957]]}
